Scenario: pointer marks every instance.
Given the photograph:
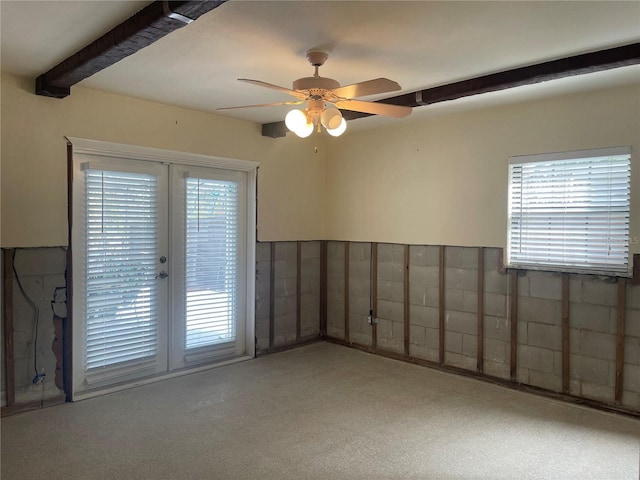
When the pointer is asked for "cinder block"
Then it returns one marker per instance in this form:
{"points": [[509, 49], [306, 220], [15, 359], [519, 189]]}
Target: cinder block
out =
{"points": [[535, 358], [522, 375], [424, 275], [631, 378], [496, 369], [384, 328], [470, 346], [598, 292], [632, 322], [359, 287], [545, 285], [425, 353], [545, 380], [360, 338], [263, 252], [631, 400], [461, 361], [453, 342], [495, 304], [469, 301], [359, 305], [575, 288], [284, 287], [545, 336], [392, 291], [454, 257], [417, 335], [492, 259], [285, 269], [385, 253], [310, 250], [391, 271], [632, 350], [589, 369], [432, 338], [360, 251], [589, 317], [417, 255], [521, 333], [335, 249], [433, 255], [523, 284], [496, 351], [461, 257], [633, 296], [597, 391], [495, 282], [461, 322], [286, 252], [391, 310], [335, 332], [424, 316], [453, 299], [497, 328], [421, 295], [462, 279], [540, 310], [597, 345]]}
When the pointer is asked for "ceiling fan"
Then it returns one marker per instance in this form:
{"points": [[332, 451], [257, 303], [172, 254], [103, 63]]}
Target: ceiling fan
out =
{"points": [[324, 96]]}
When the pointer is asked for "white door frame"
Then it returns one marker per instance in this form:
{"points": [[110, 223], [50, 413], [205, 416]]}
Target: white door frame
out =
{"points": [[167, 157]]}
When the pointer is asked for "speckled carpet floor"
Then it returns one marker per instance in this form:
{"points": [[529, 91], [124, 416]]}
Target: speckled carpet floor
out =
{"points": [[319, 412]]}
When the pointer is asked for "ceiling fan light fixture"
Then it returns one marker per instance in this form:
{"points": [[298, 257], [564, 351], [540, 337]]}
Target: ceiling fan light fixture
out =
{"points": [[331, 118], [305, 130], [295, 120], [339, 130]]}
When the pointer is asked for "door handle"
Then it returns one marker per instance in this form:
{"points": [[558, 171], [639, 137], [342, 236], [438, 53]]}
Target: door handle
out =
{"points": [[162, 274]]}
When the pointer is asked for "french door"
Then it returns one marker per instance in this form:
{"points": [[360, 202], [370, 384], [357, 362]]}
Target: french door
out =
{"points": [[160, 269]]}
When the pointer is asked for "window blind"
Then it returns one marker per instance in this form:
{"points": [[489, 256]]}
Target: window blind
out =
{"points": [[212, 232], [570, 212], [121, 258]]}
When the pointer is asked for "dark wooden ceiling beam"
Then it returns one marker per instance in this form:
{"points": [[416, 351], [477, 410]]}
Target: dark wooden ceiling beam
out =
{"points": [[542, 72], [140, 30]]}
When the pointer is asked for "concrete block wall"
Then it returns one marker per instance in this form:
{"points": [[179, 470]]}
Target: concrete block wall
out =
{"points": [[263, 295], [41, 271], [496, 324], [285, 279], [390, 284], [540, 330], [335, 289], [309, 289], [359, 293], [424, 298], [461, 307], [631, 378], [592, 320]]}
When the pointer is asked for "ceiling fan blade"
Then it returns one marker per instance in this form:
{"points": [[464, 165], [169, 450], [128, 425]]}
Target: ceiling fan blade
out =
{"points": [[370, 87], [397, 111], [293, 102], [295, 93]]}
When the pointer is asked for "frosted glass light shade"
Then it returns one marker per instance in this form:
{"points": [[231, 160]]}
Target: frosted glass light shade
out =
{"points": [[295, 120], [336, 132], [305, 130], [331, 118]]}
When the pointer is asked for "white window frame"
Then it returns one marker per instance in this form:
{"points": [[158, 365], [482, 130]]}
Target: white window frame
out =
{"points": [[614, 269], [168, 157]]}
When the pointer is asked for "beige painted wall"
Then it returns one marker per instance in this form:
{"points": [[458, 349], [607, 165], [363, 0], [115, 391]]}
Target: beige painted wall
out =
{"points": [[443, 180], [34, 176]]}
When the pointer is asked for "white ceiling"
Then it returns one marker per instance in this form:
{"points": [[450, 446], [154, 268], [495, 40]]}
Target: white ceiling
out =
{"points": [[419, 44]]}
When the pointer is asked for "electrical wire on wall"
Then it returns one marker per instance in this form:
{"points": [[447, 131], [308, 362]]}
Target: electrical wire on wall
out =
{"points": [[39, 377]]}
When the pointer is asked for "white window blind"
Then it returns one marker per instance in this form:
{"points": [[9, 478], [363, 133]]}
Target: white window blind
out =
{"points": [[212, 234], [570, 211], [121, 251]]}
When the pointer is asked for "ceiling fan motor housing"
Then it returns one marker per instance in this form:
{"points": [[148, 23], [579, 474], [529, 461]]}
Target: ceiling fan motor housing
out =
{"points": [[310, 83]]}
